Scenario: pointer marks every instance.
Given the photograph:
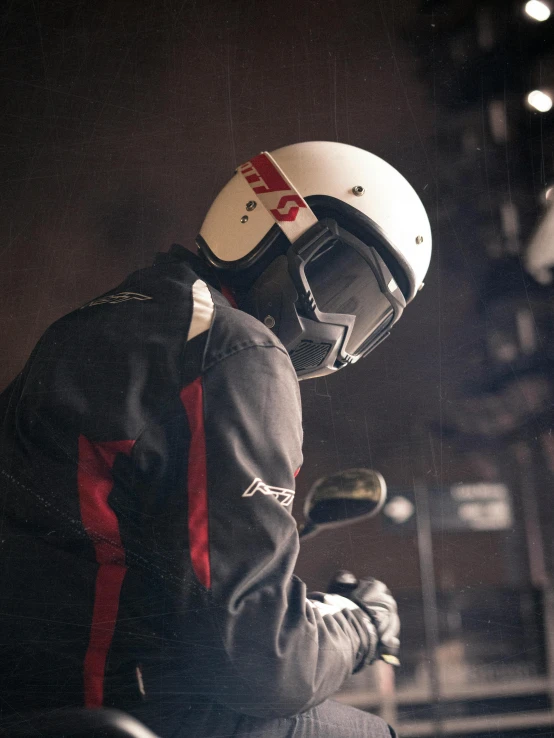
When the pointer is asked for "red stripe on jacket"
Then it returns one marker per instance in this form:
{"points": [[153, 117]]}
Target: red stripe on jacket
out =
{"points": [[95, 482], [193, 402], [229, 296]]}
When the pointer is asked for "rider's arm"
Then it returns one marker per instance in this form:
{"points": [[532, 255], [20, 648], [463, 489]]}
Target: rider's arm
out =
{"points": [[273, 651]]}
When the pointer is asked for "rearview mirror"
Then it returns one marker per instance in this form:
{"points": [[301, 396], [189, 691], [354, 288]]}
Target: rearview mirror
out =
{"points": [[339, 499]]}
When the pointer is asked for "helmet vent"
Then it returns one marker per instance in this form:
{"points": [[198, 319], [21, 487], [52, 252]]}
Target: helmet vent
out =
{"points": [[309, 355]]}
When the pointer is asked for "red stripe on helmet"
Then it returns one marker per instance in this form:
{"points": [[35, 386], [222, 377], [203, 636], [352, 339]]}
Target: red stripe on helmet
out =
{"points": [[278, 196], [192, 398], [95, 482], [289, 204], [273, 181]]}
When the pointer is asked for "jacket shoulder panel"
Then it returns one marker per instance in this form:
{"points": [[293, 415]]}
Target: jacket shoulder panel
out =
{"points": [[233, 330]]}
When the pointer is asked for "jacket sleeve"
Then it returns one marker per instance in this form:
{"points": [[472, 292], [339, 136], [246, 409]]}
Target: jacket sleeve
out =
{"points": [[276, 653]]}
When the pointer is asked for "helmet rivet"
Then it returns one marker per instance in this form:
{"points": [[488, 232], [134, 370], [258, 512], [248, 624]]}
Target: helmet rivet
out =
{"points": [[269, 321], [244, 219], [358, 190], [251, 205], [419, 239]]}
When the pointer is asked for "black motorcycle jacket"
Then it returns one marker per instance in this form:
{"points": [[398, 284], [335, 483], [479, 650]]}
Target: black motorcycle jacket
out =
{"points": [[148, 451]]}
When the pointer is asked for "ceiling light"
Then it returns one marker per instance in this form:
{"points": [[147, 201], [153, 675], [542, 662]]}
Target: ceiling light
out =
{"points": [[537, 10], [540, 101]]}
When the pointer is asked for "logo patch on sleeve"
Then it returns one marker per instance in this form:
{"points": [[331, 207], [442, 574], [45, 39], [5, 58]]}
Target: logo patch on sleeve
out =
{"points": [[283, 496], [117, 298]]}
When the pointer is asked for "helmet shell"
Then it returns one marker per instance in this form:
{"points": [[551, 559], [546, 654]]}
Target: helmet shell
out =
{"points": [[382, 200]]}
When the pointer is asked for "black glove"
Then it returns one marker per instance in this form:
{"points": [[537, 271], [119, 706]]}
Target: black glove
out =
{"points": [[376, 601]]}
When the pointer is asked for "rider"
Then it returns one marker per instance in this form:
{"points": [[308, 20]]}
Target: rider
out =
{"points": [[148, 451]]}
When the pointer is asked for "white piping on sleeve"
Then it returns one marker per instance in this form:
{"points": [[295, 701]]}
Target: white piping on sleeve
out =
{"points": [[202, 310]]}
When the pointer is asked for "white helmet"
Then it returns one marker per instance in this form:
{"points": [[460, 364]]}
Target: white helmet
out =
{"points": [[325, 243]]}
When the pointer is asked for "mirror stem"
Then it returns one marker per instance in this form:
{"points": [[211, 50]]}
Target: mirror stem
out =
{"points": [[307, 529]]}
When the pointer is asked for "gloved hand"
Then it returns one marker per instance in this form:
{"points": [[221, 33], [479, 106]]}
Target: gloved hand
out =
{"points": [[375, 599]]}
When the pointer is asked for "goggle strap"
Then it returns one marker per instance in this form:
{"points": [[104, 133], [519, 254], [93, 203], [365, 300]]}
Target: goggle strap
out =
{"points": [[276, 193]]}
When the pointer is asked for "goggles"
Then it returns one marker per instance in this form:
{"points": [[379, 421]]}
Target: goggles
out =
{"points": [[331, 299]]}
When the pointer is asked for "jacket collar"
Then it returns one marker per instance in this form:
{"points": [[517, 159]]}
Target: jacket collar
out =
{"points": [[179, 254]]}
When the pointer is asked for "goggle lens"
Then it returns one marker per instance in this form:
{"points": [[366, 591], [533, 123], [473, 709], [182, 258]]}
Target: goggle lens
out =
{"points": [[343, 281]]}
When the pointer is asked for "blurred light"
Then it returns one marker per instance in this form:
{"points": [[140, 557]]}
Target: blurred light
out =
{"points": [[479, 491], [549, 195], [470, 141], [526, 333], [537, 10], [486, 515], [509, 216], [399, 509], [540, 101], [485, 29], [497, 121]]}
